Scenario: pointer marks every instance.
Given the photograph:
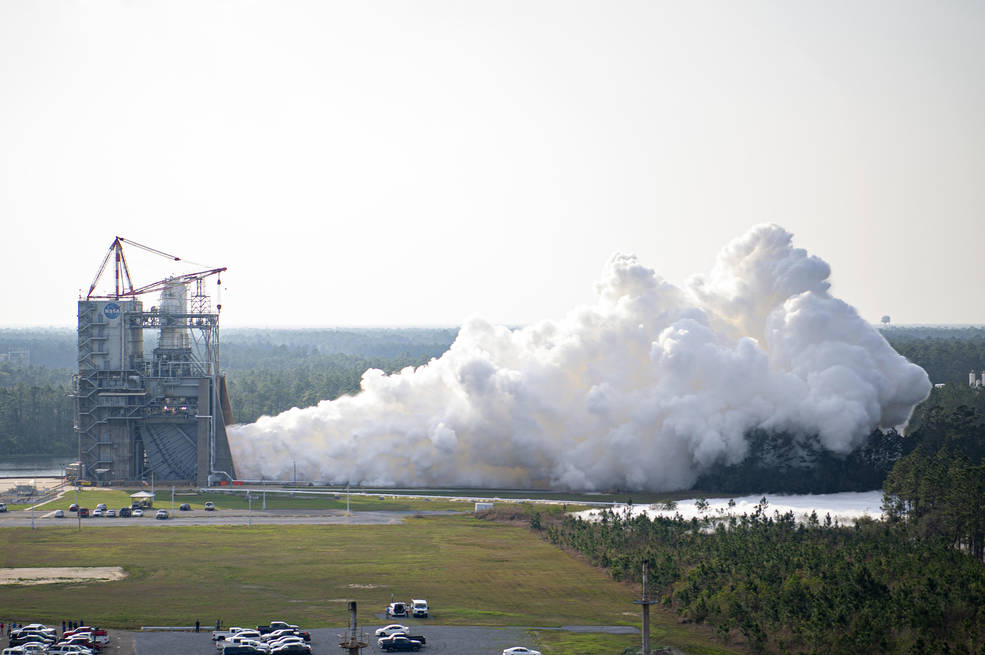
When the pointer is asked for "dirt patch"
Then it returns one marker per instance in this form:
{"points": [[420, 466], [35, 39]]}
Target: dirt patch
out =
{"points": [[362, 586], [60, 574]]}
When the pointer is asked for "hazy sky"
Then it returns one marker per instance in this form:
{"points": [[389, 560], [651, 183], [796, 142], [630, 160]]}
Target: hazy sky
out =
{"points": [[409, 163]]}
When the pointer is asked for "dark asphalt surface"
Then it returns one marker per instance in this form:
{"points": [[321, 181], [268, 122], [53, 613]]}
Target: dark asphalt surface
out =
{"points": [[441, 640]]}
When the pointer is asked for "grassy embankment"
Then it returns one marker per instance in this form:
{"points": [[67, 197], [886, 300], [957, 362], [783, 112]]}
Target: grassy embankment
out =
{"points": [[473, 572]]}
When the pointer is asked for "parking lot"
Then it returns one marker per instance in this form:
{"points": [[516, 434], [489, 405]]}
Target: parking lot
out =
{"points": [[441, 640]]}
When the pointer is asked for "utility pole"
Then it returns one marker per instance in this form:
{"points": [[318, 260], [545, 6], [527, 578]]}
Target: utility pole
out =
{"points": [[645, 602]]}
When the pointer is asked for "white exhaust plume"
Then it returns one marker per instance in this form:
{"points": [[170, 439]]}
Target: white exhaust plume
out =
{"points": [[646, 389]]}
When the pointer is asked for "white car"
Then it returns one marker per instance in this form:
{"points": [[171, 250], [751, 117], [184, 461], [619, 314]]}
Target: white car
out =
{"points": [[68, 649], [34, 648], [520, 650], [392, 629], [279, 634], [39, 627], [137, 512], [283, 641]]}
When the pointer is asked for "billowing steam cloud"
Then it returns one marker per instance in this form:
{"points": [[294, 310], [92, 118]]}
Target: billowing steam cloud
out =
{"points": [[645, 389]]}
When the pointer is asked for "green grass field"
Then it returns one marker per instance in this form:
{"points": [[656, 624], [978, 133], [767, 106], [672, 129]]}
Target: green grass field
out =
{"points": [[473, 572]]}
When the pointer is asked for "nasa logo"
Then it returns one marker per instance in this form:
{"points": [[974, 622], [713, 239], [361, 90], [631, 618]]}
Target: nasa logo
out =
{"points": [[111, 310]]}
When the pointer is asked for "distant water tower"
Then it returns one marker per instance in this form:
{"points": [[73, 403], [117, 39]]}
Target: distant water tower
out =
{"points": [[885, 319]]}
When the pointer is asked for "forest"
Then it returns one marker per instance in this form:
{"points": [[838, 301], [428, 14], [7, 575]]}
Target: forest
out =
{"points": [[914, 583], [272, 370], [268, 371]]}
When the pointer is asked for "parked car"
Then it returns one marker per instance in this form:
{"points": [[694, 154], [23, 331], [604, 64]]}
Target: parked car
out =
{"points": [[276, 625], [222, 635], [3, 507], [82, 639], [184, 507], [109, 513], [392, 629], [96, 513], [59, 514], [137, 513], [209, 506], [34, 648], [400, 643], [31, 637], [125, 512], [97, 635], [68, 649], [419, 608], [84, 512], [14, 650], [284, 641], [520, 650], [396, 609], [74, 507], [294, 648], [101, 506], [241, 649], [161, 514]]}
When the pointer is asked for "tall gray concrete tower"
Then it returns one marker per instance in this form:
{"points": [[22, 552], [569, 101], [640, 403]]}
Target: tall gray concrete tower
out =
{"points": [[162, 414]]}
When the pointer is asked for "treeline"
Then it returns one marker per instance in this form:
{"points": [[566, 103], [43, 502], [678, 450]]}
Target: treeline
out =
{"points": [[35, 411], [780, 586], [787, 463], [268, 371], [937, 491], [947, 354], [256, 392], [257, 348]]}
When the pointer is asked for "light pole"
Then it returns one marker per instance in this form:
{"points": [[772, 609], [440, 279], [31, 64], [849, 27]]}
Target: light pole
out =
{"points": [[78, 514], [172, 502], [249, 501]]}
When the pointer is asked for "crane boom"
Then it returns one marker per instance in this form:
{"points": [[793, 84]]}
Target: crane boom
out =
{"points": [[123, 283]]}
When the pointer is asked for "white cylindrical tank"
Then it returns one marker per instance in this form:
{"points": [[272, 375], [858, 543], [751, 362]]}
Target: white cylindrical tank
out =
{"points": [[971, 378], [174, 334]]}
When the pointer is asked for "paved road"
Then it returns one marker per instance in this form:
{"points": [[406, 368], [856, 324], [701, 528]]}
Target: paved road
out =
{"points": [[221, 517]]}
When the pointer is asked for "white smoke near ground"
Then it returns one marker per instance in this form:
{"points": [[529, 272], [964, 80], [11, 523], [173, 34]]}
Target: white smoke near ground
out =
{"points": [[645, 389]]}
